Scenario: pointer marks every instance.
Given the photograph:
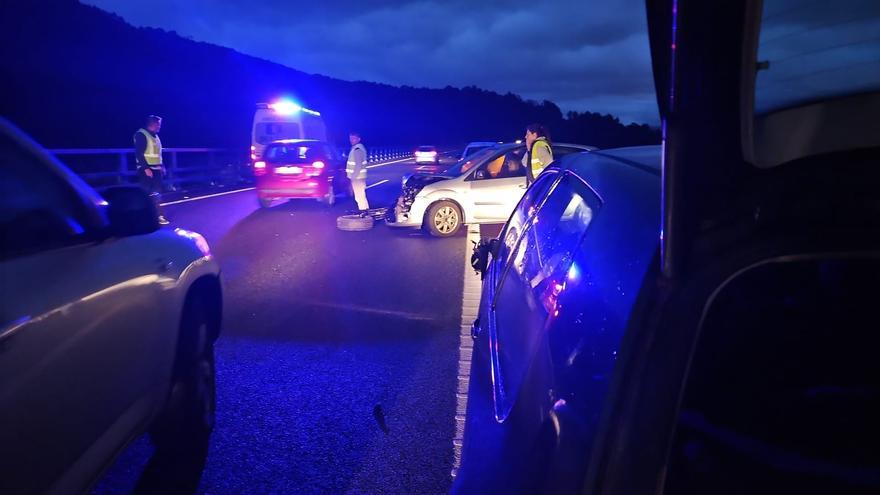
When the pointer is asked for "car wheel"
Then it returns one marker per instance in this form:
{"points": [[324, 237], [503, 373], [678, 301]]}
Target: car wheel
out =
{"points": [[265, 202], [181, 432], [443, 219], [354, 223], [189, 414]]}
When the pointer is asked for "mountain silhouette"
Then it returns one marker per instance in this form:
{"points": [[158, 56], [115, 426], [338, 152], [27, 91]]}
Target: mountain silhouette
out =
{"points": [[77, 76]]}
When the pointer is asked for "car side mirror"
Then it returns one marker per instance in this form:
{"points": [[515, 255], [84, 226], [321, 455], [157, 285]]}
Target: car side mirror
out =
{"points": [[481, 253], [480, 174], [130, 211]]}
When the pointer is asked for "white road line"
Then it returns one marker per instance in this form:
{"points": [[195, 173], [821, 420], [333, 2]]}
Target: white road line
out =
{"points": [[224, 193], [377, 184], [470, 303], [388, 163]]}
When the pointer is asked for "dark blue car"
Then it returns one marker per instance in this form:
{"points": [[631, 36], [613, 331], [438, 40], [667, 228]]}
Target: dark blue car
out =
{"points": [[707, 325]]}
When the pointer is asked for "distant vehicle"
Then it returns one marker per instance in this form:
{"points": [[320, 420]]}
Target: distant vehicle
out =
{"points": [[483, 188], [427, 154], [476, 146], [710, 329], [300, 168], [108, 326], [284, 119]]}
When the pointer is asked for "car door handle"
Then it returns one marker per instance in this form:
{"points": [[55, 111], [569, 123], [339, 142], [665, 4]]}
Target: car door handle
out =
{"points": [[522, 186]]}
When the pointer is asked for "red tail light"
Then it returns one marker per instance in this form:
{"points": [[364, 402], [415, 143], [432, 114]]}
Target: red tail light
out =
{"points": [[259, 168], [318, 164]]}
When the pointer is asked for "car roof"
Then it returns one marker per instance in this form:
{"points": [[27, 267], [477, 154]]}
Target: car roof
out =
{"points": [[645, 158]]}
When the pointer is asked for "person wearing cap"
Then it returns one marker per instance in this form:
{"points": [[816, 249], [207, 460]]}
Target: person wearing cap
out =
{"points": [[148, 155], [356, 170], [539, 154]]}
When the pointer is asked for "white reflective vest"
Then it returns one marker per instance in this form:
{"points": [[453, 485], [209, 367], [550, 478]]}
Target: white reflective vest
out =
{"points": [[356, 166], [153, 153]]}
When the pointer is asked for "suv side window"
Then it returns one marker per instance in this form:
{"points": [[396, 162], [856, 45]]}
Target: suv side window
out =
{"points": [[38, 210], [534, 277]]}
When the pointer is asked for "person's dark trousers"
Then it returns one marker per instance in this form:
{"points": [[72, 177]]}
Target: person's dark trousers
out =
{"points": [[153, 185]]}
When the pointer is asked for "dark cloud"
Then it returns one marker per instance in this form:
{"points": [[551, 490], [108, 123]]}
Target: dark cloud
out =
{"points": [[582, 55]]}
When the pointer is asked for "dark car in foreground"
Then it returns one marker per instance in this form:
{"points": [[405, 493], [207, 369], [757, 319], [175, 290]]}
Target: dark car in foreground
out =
{"points": [[711, 328], [300, 169]]}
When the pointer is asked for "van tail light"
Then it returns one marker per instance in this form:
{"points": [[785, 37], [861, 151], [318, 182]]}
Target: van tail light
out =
{"points": [[260, 168]]}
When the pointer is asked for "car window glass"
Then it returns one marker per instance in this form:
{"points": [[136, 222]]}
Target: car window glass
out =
{"points": [[502, 167], [535, 276], [293, 153], [468, 164], [274, 131], [38, 210], [524, 211], [816, 50]]}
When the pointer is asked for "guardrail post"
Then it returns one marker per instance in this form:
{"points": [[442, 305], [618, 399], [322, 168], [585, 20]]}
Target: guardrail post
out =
{"points": [[172, 172], [123, 168]]}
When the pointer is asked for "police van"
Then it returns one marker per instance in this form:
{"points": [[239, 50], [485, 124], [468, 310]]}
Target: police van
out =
{"points": [[284, 119]]}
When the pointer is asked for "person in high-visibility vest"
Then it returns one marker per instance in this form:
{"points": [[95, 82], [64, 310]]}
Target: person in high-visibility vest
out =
{"points": [[539, 154], [356, 170], [148, 155]]}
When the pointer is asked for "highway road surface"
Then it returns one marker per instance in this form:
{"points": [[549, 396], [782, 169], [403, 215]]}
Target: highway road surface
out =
{"points": [[337, 367]]}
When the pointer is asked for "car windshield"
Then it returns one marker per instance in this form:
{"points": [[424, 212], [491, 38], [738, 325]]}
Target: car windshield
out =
{"points": [[295, 152], [816, 50], [427, 148], [467, 164]]}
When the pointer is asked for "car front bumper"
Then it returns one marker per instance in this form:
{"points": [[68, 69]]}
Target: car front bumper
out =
{"points": [[399, 216]]}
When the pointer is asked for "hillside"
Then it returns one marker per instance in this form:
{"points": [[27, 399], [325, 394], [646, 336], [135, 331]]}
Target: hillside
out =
{"points": [[76, 76]]}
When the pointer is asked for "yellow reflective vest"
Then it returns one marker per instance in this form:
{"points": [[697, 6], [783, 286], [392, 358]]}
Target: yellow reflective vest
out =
{"points": [[540, 156], [153, 153]]}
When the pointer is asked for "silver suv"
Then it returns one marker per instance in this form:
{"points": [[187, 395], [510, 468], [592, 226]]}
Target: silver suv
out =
{"points": [[482, 188]]}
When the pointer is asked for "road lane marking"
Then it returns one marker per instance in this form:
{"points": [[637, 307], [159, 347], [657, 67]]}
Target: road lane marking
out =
{"points": [[470, 303], [366, 309], [389, 163], [187, 200], [378, 183]]}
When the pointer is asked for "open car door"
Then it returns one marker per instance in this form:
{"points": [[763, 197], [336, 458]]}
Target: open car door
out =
{"points": [[749, 364]]}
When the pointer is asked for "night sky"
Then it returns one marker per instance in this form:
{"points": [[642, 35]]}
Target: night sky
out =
{"points": [[580, 54]]}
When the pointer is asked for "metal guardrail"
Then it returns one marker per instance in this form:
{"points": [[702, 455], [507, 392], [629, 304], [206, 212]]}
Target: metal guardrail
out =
{"points": [[185, 166], [107, 166]]}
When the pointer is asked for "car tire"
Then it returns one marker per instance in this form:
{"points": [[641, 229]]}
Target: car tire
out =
{"points": [[182, 431], [443, 219], [354, 223], [265, 202], [191, 405]]}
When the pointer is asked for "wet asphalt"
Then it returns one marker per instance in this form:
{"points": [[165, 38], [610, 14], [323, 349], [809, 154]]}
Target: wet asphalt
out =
{"points": [[336, 368]]}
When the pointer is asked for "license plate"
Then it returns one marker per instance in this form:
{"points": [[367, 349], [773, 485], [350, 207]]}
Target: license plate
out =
{"points": [[288, 170]]}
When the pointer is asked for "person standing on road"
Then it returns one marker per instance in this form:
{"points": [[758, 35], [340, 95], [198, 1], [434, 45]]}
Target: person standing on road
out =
{"points": [[539, 154], [356, 170], [148, 155]]}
